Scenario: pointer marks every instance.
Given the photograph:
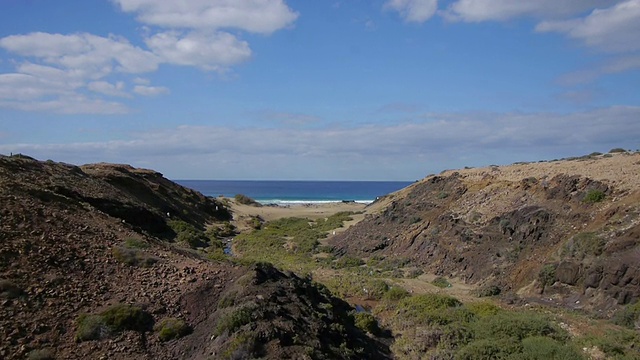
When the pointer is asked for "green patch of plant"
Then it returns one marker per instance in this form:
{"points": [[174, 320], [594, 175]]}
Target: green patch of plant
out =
{"points": [[114, 319], [629, 316], [135, 243], [483, 309], [518, 326], [348, 262], [488, 290], [172, 328], [288, 243], [395, 293], [366, 322], [234, 319], [441, 282], [584, 244], [188, 234], [617, 150], [133, 257], [41, 354], [245, 200], [594, 196], [547, 275]]}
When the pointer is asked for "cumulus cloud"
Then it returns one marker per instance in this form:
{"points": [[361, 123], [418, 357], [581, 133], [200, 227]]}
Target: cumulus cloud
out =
{"points": [[83, 52], [63, 70], [427, 144], [109, 89], [81, 66], [204, 50], [258, 16], [145, 90], [499, 10], [614, 29], [413, 10]]}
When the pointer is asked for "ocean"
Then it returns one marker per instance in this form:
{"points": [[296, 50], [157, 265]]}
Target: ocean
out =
{"points": [[292, 192]]}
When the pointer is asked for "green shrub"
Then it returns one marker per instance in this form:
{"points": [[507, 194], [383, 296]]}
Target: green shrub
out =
{"points": [[133, 257], [172, 328], [234, 320], [366, 322], [245, 200], [116, 318], [483, 309], [594, 196], [585, 244], [135, 243], [441, 282], [629, 316], [121, 317], [489, 349], [432, 309], [518, 326], [347, 262], [547, 275], [617, 150], [544, 348], [489, 290], [395, 293], [41, 354], [91, 327]]}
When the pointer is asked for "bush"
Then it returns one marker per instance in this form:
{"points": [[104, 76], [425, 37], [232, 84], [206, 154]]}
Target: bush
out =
{"points": [[133, 257], [441, 282], [234, 320], [395, 293], [41, 354], [483, 309], [116, 318], [245, 200], [489, 290], [172, 328], [367, 322], [539, 347], [347, 262], [488, 350], [547, 275], [617, 150], [121, 317], [134, 243], [594, 196], [629, 316], [518, 326]]}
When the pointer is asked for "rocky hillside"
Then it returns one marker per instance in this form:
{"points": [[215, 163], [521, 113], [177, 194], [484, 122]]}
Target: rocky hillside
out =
{"points": [[562, 232], [92, 266]]}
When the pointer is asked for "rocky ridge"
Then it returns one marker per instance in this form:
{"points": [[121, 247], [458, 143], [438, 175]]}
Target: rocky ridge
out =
{"points": [[563, 232], [64, 232]]}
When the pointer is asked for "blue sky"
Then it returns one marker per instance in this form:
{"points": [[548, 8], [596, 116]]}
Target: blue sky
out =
{"points": [[327, 90]]}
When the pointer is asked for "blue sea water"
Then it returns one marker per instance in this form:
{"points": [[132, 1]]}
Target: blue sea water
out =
{"points": [[291, 192]]}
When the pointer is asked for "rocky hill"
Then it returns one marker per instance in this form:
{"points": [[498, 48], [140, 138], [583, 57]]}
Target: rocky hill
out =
{"points": [[98, 262], [564, 232]]}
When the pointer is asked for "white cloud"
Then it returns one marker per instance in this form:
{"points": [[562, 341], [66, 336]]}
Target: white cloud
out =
{"points": [[69, 105], [500, 10], [258, 16], [207, 51], [146, 90], [109, 89], [413, 10], [84, 52], [428, 144], [614, 29]]}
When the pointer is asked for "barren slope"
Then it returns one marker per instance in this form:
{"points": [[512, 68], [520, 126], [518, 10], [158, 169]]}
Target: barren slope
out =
{"points": [[95, 240], [504, 225]]}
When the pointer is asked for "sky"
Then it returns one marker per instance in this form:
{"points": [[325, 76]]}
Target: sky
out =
{"points": [[317, 90]]}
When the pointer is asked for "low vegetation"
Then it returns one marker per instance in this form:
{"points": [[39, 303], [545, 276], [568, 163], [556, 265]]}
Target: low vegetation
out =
{"points": [[171, 328], [594, 196], [245, 200], [114, 319]]}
